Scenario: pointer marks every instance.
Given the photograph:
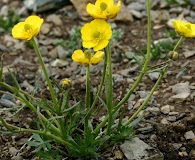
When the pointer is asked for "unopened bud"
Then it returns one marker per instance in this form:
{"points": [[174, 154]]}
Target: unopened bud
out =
{"points": [[65, 83], [173, 55]]}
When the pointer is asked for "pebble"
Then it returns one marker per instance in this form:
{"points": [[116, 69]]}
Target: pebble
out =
{"points": [[59, 63], [179, 127], [179, 97], [192, 154], [165, 109], [136, 149], [181, 88], [62, 54], [7, 103], [189, 135], [164, 121], [13, 151], [171, 118], [55, 19], [154, 76]]}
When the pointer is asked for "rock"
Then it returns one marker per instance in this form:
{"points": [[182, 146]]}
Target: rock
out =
{"points": [[136, 149], [53, 53], [164, 121], [179, 97], [179, 127], [44, 5], [13, 151], [45, 28], [177, 146], [171, 118], [142, 94], [189, 135], [188, 53], [55, 19], [136, 6], [154, 110], [6, 103], [147, 129], [192, 154], [181, 88], [154, 76], [61, 53], [59, 63], [43, 50], [136, 14], [165, 109], [17, 157]]}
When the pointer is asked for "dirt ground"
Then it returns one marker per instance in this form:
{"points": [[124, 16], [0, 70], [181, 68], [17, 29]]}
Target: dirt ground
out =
{"points": [[167, 136]]}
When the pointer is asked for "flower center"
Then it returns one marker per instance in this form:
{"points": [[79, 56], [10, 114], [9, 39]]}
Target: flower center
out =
{"points": [[87, 54], [27, 27], [103, 6], [96, 34]]}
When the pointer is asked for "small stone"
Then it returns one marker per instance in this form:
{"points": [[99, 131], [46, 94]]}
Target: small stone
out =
{"points": [[192, 154], [179, 127], [61, 52], [171, 118], [7, 103], [177, 146], [179, 97], [45, 28], [189, 135], [154, 76], [164, 121], [13, 151], [59, 63], [154, 110], [18, 157], [53, 53], [165, 109], [55, 19]]}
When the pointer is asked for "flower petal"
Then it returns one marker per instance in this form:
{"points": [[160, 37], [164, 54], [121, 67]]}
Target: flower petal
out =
{"points": [[79, 57], [97, 57]]}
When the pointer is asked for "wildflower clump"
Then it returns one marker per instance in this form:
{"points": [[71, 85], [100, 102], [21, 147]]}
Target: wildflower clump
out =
{"points": [[185, 29], [28, 29]]}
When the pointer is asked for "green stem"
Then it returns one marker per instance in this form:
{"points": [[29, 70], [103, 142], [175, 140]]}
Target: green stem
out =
{"points": [[48, 134], [144, 70], [87, 98], [179, 43], [99, 89], [53, 96], [148, 97], [109, 89], [28, 104]]}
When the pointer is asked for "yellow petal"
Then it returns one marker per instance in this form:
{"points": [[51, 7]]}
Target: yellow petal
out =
{"points": [[18, 32], [97, 58], [79, 57], [101, 45], [89, 44]]}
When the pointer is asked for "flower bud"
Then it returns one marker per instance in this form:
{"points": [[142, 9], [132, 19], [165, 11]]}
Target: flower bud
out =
{"points": [[65, 83], [173, 55]]}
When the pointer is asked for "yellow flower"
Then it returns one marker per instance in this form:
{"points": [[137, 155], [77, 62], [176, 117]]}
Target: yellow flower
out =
{"points": [[28, 29], [185, 29], [86, 58], [103, 9], [96, 34]]}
